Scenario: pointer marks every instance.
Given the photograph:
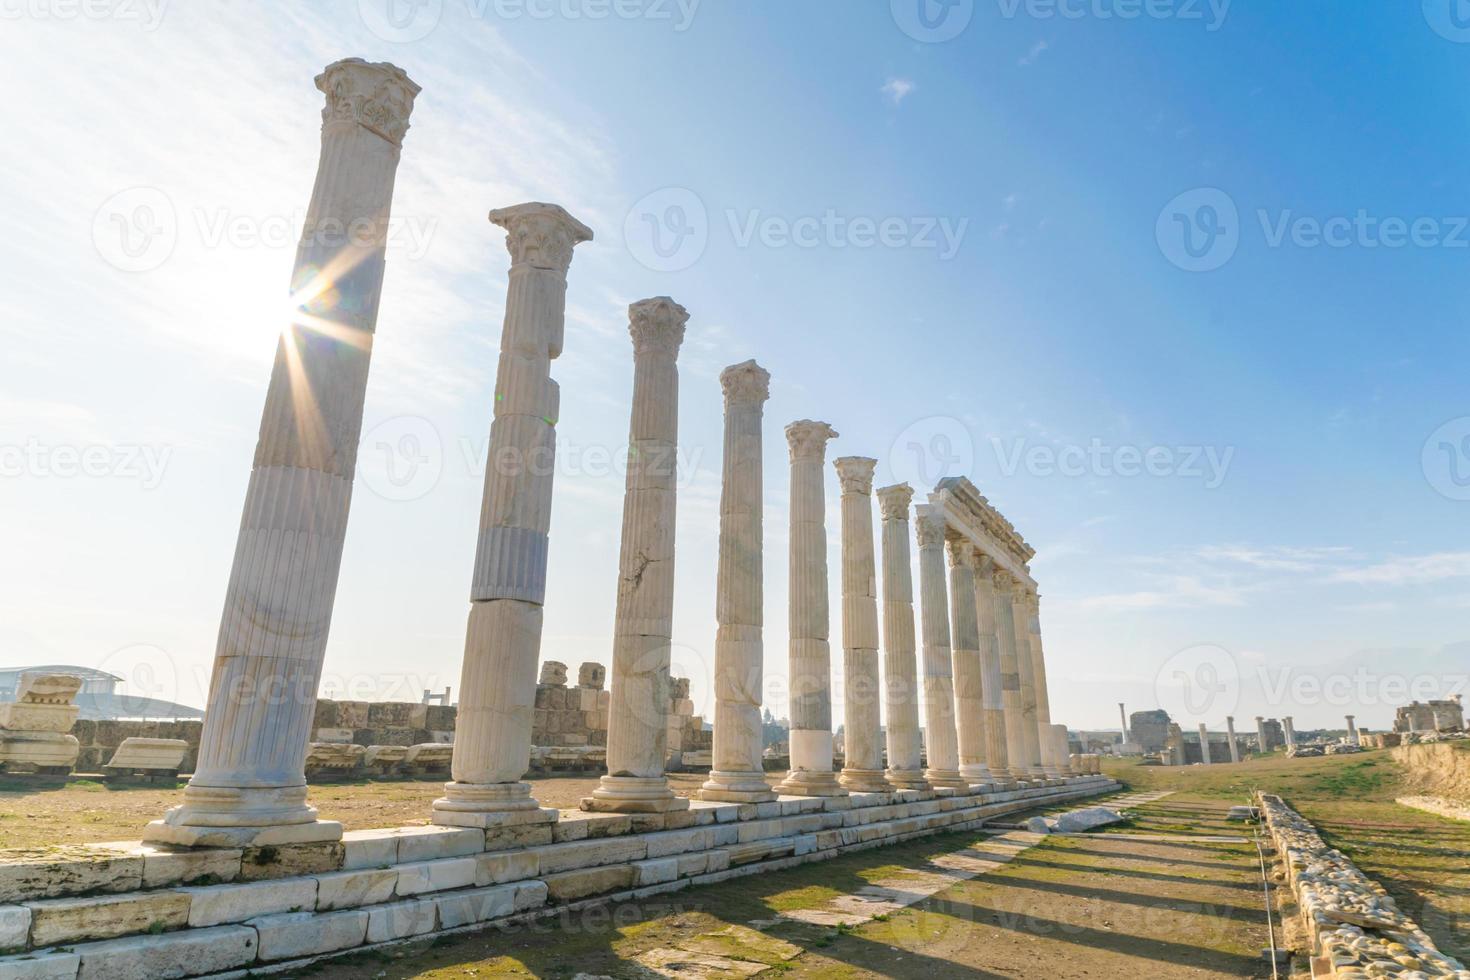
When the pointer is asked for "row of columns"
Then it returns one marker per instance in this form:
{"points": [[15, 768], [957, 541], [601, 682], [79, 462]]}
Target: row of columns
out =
{"points": [[983, 672]]}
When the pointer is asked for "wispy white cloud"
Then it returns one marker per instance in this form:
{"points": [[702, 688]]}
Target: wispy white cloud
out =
{"points": [[1176, 592], [1410, 570], [895, 90], [1036, 51]]}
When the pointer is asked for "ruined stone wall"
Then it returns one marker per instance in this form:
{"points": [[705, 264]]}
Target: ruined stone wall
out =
{"points": [[100, 739]]}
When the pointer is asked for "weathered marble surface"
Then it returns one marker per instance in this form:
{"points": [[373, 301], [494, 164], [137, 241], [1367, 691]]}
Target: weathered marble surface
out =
{"points": [[862, 769], [900, 658]]}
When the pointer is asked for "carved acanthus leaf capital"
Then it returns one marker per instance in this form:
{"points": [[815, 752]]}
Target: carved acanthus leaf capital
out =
{"points": [[375, 95], [929, 527], [540, 235], [657, 326], [745, 383], [893, 502], [855, 473], [1003, 581], [807, 438], [961, 553], [984, 567]]}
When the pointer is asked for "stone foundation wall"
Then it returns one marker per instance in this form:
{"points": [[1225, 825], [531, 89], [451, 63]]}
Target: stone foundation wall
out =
{"points": [[100, 739], [132, 910]]}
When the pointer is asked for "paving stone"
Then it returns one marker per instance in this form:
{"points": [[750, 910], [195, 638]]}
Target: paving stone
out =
{"points": [[297, 934], [218, 904], [60, 921], [178, 954], [352, 889]]}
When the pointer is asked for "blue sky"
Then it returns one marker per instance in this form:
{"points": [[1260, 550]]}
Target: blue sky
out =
{"points": [[1303, 402]]}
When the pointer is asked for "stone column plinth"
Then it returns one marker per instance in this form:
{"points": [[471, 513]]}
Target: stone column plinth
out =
{"points": [[492, 745], [1052, 758], [900, 661], [643, 622], [862, 769], [249, 786], [1262, 745], [1026, 664], [997, 756], [969, 694], [940, 735], [1230, 736], [1010, 670], [738, 775], [1204, 744], [811, 657]]}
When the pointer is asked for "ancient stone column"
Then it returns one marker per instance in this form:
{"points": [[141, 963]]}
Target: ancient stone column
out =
{"points": [[1290, 730], [1010, 670], [1051, 762], [1123, 719], [991, 676], [1230, 736], [940, 736], [738, 775], [862, 770], [1352, 730], [249, 785], [1204, 744], [900, 661], [969, 691], [1059, 733], [643, 621], [1020, 616], [1261, 742], [810, 656], [492, 745]]}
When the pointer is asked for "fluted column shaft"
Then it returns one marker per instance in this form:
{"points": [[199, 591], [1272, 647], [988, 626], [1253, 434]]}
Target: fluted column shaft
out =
{"points": [[1230, 734], [643, 620], [900, 660], [1290, 731], [737, 775], [1052, 758], [492, 745], [940, 735], [250, 779], [969, 698], [810, 654], [1030, 734], [1015, 715], [862, 769], [1261, 743], [1204, 744], [992, 685]]}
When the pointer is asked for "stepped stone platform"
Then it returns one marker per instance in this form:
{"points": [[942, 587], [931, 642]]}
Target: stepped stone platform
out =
{"points": [[130, 910]]}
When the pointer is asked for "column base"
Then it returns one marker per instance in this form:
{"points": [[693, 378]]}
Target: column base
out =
{"points": [[724, 786], [633, 794], [808, 782], [977, 773], [906, 779], [235, 816], [864, 781], [946, 779], [486, 805]]}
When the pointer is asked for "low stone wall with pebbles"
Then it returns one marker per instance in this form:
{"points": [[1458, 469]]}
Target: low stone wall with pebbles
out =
{"points": [[1357, 930], [128, 910]]}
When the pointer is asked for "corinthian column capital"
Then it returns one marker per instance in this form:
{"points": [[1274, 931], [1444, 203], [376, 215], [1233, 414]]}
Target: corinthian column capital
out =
{"points": [[1004, 582], [961, 553], [984, 566], [745, 383], [807, 438], [541, 236], [855, 473], [893, 502], [657, 326], [929, 529], [375, 95]]}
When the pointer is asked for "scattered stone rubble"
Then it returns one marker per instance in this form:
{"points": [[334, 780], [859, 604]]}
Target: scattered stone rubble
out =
{"points": [[1356, 929], [33, 727]]}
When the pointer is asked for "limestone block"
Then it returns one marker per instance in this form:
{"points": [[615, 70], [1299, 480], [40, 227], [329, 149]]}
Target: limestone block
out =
{"points": [[591, 853], [587, 704], [326, 714], [604, 701], [352, 714], [440, 717], [290, 860], [181, 954], [655, 872], [1076, 821], [497, 869], [432, 843], [48, 750], [553, 672], [298, 934], [435, 876], [571, 885], [480, 905], [41, 966], [70, 870], [15, 927], [384, 758], [60, 921], [595, 824], [163, 755], [164, 865], [43, 703], [397, 714], [526, 835], [369, 849], [352, 889], [679, 688], [441, 737], [401, 920], [218, 904], [333, 756], [591, 676], [339, 736], [428, 757], [678, 841]]}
